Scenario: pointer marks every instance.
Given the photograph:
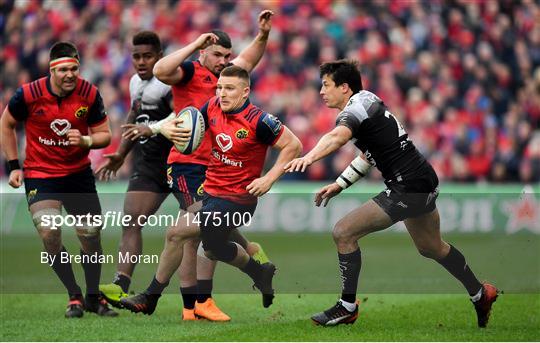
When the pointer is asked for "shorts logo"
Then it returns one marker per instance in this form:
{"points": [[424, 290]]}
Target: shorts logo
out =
{"points": [[200, 190], [242, 133], [224, 141], [81, 112], [60, 126], [39, 112], [402, 204], [32, 194], [169, 177]]}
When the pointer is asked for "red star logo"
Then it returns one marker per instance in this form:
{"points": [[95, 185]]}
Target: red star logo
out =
{"points": [[523, 213]]}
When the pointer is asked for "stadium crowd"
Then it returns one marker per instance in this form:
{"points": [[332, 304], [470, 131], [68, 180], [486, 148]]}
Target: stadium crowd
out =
{"points": [[462, 76]]}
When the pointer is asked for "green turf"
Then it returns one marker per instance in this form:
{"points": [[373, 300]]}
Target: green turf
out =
{"points": [[382, 318], [307, 263], [410, 298]]}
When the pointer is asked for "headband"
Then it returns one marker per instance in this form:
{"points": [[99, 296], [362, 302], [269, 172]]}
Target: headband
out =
{"points": [[63, 60]]}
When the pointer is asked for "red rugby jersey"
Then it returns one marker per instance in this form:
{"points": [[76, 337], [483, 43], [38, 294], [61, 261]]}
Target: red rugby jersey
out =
{"points": [[239, 140], [198, 85], [47, 118]]}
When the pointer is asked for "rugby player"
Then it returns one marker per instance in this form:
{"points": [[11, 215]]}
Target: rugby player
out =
{"points": [[412, 188], [240, 134], [64, 118]]}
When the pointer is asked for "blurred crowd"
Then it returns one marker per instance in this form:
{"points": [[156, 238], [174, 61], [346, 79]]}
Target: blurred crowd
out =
{"points": [[462, 76]]}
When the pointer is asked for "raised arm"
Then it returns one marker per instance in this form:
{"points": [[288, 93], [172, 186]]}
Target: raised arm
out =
{"points": [[168, 69], [252, 54], [328, 143]]}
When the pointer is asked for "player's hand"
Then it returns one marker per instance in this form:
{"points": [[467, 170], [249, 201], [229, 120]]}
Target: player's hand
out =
{"points": [[177, 135], [265, 22], [136, 131], [298, 165], [108, 169], [205, 40], [326, 193], [75, 137], [259, 187], [16, 178]]}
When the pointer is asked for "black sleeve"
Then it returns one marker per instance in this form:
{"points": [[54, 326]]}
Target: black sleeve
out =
{"points": [[189, 70], [17, 105], [269, 128], [97, 112], [167, 100], [204, 112], [349, 120]]}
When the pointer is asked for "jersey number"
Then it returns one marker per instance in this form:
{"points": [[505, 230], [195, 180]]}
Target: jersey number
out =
{"points": [[401, 130]]}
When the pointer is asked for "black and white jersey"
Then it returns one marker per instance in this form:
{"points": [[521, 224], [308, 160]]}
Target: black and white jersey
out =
{"points": [[151, 102], [380, 136]]}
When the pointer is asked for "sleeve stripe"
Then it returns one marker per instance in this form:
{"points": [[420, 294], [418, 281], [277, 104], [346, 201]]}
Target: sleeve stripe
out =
{"points": [[251, 114], [80, 88], [356, 171], [31, 86], [88, 89], [38, 88], [346, 181]]}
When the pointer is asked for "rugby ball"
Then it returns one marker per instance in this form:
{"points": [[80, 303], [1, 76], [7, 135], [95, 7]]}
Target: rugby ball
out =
{"points": [[194, 120]]}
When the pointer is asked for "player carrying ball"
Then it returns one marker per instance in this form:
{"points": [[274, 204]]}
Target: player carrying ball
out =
{"points": [[240, 134]]}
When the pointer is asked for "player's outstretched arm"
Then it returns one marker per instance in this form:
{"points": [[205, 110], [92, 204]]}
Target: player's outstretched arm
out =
{"points": [[168, 69], [115, 160], [252, 54], [328, 143], [8, 141], [290, 147]]}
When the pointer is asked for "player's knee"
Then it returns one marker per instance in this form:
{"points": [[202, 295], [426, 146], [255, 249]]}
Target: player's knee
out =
{"points": [[342, 233], [176, 235], [219, 250], [89, 232]]}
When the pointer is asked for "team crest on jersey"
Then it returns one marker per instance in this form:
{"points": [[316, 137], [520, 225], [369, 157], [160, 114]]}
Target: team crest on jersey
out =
{"points": [[81, 112], [242, 133], [60, 126], [224, 141]]}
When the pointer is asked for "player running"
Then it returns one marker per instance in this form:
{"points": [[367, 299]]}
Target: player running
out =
{"points": [[240, 134], [193, 83], [412, 187], [151, 101], [64, 118]]}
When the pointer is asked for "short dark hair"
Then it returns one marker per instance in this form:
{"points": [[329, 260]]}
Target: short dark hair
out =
{"points": [[343, 71], [63, 49], [236, 71], [147, 38], [223, 39]]}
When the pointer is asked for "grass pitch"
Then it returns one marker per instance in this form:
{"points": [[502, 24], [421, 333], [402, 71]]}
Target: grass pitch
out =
{"points": [[404, 297], [383, 317]]}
